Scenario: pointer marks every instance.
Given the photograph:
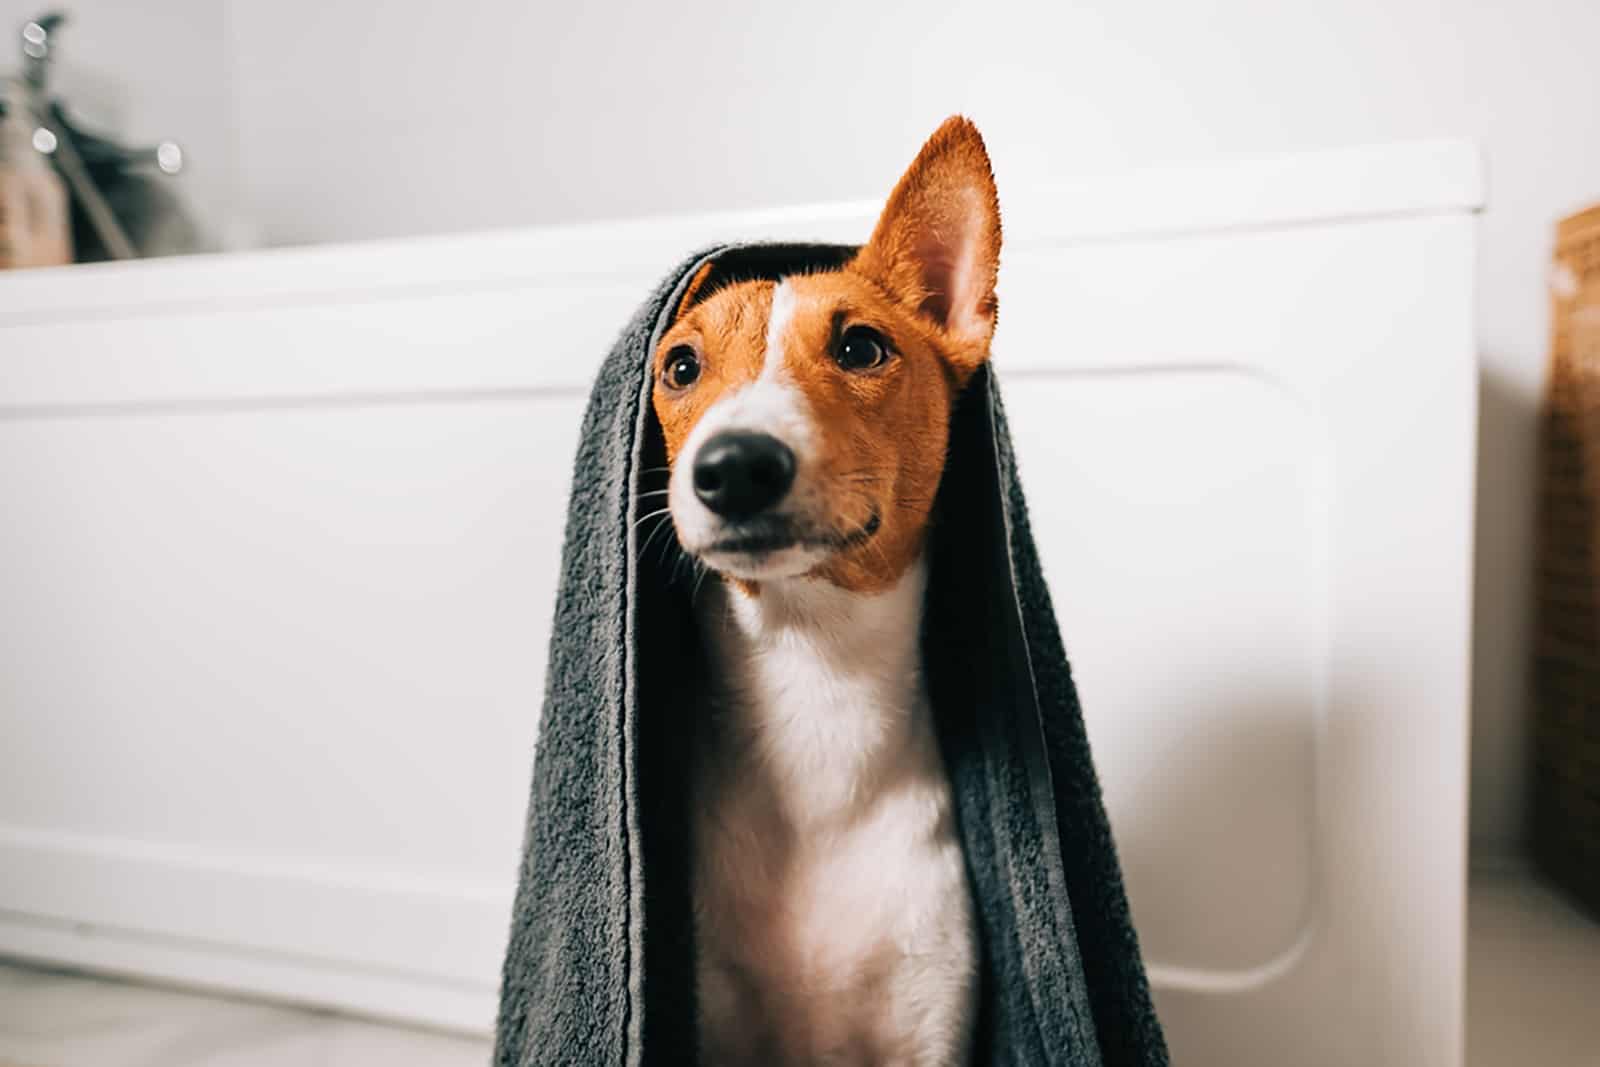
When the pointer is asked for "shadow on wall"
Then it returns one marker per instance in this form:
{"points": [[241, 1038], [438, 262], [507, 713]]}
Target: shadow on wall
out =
{"points": [[1502, 613]]}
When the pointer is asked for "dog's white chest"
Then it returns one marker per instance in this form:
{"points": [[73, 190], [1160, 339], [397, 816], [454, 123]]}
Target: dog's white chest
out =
{"points": [[833, 919]]}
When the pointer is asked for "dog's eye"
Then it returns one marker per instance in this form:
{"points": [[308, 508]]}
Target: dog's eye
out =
{"points": [[682, 368], [862, 348]]}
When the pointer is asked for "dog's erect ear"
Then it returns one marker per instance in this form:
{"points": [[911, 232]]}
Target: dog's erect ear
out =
{"points": [[937, 244]]}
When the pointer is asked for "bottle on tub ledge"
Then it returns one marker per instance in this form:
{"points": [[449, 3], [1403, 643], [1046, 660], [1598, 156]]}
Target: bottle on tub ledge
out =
{"points": [[69, 195], [35, 210]]}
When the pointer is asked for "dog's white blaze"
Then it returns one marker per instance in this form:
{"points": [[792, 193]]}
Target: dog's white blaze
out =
{"points": [[772, 403], [783, 305]]}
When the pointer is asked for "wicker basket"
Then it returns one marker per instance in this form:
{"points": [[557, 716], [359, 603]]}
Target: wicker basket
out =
{"points": [[1566, 744]]}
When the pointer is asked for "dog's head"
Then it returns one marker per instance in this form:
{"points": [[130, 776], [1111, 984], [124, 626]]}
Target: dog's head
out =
{"points": [[806, 420]]}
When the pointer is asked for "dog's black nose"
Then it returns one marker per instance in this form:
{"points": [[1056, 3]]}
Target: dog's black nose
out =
{"points": [[739, 474]]}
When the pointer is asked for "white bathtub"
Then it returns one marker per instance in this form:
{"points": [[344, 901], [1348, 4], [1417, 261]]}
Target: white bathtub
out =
{"points": [[280, 532]]}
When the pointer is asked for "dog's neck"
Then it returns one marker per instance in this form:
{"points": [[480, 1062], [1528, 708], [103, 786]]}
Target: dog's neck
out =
{"points": [[818, 688]]}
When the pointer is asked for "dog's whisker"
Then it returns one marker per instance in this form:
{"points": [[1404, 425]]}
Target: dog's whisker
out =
{"points": [[641, 520], [664, 524], [668, 544]]}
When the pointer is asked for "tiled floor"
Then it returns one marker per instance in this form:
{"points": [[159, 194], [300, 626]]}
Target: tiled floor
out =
{"points": [[1533, 978], [1533, 1001], [50, 1019]]}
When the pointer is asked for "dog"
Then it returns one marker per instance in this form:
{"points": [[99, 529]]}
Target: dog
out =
{"points": [[806, 423]]}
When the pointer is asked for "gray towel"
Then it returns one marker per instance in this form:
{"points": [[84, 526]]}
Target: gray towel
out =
{"points": [[600, 964]]}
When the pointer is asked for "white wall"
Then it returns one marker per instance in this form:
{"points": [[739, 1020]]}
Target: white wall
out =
{"points": [[351, 120]]}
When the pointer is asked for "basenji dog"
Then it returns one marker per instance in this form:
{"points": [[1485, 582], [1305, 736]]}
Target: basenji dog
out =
{"points": [[806, 424]]}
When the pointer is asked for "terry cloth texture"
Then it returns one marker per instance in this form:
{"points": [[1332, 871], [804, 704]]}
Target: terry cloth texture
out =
{"points": [[599, 969]]}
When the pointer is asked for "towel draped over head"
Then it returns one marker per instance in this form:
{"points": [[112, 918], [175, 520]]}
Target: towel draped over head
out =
{"points": [[599, 969]]}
